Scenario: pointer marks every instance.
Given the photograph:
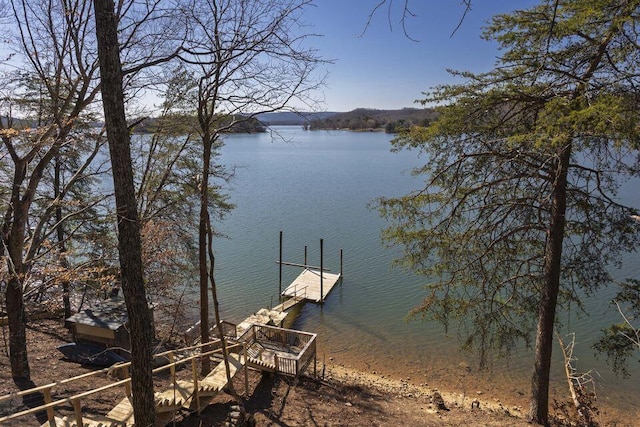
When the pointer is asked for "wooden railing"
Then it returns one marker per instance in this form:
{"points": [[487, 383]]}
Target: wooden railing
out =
{"points": [[303, 291], [175, 356], [307, 353], [192, 334], [302, 344]]}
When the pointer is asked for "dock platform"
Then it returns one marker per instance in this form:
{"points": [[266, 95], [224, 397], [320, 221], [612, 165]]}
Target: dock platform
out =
{"points": [[309, 286]]}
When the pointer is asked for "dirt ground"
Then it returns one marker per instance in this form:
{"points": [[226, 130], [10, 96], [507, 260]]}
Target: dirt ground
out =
{"points": [[338, 397]]}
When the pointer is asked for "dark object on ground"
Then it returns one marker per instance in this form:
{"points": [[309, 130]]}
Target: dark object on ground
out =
{"points": [[90, 354], [438, 401]]}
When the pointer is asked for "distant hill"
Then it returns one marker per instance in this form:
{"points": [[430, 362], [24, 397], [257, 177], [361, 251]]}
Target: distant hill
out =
{"points": [[180, 124], [292, 118], [390, 121]]}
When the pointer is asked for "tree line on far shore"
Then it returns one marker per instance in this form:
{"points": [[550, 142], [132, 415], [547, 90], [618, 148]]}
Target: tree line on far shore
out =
{"points": [[361, 119], [232, 124]]}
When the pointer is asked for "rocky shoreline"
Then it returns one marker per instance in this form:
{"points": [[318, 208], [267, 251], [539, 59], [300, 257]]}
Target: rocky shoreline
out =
{"points": [[440, 399]]}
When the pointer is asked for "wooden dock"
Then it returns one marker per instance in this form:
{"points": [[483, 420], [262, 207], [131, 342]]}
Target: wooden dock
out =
{"points": [[288, 304], [311, 286]]}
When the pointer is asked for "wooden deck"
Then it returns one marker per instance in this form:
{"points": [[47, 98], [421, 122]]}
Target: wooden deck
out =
{"points": [[307, 285]]}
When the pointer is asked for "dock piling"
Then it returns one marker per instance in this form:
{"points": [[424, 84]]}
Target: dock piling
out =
{"points": [[321, 272], [280, 266]]}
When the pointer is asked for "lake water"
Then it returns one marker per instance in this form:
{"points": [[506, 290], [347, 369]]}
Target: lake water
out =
{"points": [[320, 185]]}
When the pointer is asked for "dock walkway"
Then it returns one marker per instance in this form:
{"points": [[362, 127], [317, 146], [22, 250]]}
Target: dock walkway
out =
{"points": [[312, 285]]}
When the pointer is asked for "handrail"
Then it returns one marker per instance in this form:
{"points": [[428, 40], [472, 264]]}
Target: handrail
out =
{"points": [[304, 288], [125, 381], [55, 384], [92, 373]]}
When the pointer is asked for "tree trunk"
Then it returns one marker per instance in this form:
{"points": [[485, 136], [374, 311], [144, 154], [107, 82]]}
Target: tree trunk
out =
{"points": [[216, 310], [13, 235], [539, 412], [129, 244], [17, 330], [64, 263], [202, 250]]}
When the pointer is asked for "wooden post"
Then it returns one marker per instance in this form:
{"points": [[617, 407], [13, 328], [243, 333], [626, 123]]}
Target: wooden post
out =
{"points": [[321, 270], [77, 411], [305, 254], [127, 385], [340, 262], [315, 359], [280, 264], [196, 387], [172, 368], [246, 372], [48, 399]]}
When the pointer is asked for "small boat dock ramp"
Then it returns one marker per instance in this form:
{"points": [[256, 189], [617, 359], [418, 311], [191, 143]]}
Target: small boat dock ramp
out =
{"points": [[313, 284]]}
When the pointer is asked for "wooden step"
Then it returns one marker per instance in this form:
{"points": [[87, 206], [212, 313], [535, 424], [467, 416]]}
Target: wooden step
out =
{"points": [[123, 412], [175, 397], [261, 365], [216, 380], [88, 421]]}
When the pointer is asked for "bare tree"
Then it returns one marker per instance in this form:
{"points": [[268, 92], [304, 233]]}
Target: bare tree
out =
{"points": [[247, 57], [406, 13], [65, 72]]}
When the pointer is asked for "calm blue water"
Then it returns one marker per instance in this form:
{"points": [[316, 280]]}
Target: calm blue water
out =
{"points": [[320, 185]]}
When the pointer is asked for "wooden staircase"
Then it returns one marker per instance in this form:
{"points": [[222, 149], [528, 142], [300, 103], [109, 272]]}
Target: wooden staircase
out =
{"points": [[191, 392], [192, 395], [262, 347]]}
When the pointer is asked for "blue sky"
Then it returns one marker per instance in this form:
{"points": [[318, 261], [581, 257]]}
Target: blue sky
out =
{"points": [[384, 69]]}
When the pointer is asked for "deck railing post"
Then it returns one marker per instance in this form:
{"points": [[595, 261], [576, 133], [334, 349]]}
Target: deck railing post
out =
{"points": [[246, 373]]}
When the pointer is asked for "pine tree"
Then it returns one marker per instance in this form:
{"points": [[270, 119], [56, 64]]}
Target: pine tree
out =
{"points": [[518, 215]]}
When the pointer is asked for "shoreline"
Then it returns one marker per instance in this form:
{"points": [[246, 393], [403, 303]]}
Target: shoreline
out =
{"points": [[405, 388], [459, 387], [339, 390]]}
